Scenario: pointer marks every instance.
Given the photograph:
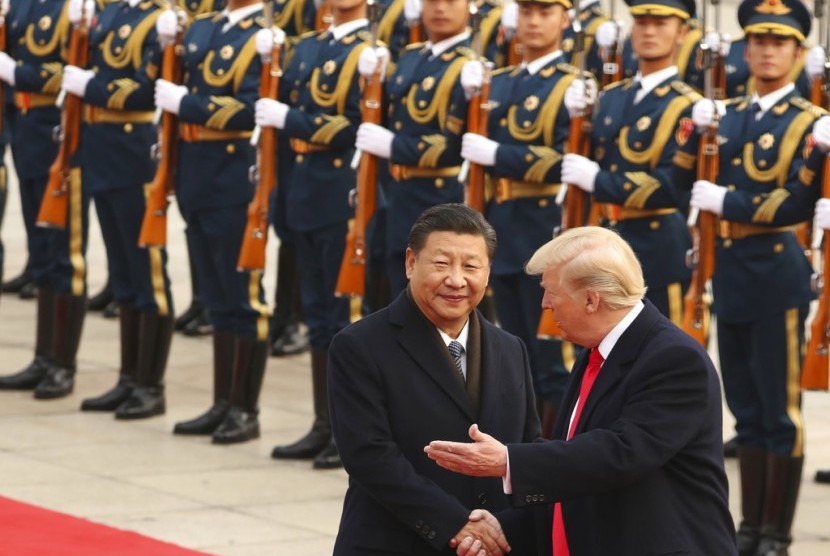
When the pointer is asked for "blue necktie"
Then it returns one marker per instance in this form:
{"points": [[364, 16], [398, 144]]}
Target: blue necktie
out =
{"points": [[456, 350]]}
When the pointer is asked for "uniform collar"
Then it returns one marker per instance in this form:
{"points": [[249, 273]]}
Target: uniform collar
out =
{"points": [[442, 46], [537, 64], [771, 99], [652, 80], [347, 28], [239, 14]]}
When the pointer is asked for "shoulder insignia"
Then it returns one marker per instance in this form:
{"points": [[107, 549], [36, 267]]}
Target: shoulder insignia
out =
{"points": [[208, 15], [806, 106], [662, 91], [465, 51], [547, 72], [364, 35], [349, 39], [567, 68], [731, 101], [414, 46], [501, 71], [686, 90], [308, 34], [616, 84], [262, 22], [246, 23]]}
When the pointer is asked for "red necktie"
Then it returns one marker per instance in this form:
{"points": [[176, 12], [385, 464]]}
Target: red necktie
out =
{"points": [[560, 540]]}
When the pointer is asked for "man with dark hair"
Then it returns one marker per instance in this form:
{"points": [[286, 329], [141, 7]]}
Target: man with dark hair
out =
{"points": [[427, 365]]}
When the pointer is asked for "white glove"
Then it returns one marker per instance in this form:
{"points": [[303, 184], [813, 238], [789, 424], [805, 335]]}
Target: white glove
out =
{"points": [[821, 133], [369, 60], [412, 10], [479, 149], [606, 35], [579, 171], [472, 78], [822, 216], [266, 38], [169, 96], [75, 80], [167, 26], [7, 65], [270, 113], [703, 112], [510, 18], [4, 7], [75, 11], [707, 196], [578, 97], [814, 64], [725, 44], [374, 139]]}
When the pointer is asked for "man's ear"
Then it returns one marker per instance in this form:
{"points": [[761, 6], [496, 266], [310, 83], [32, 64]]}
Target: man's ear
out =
{"points": [[409, 262], [591, 301]]}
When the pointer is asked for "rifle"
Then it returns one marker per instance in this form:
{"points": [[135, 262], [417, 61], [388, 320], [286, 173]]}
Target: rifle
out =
{"points": [[352, 278], [612, 56], [264, 173], [165, 151], [416, 30], [477, 119], [574, 199], [815, 371], [703, 224], [4, 10], [323, 17], [53, 209]]}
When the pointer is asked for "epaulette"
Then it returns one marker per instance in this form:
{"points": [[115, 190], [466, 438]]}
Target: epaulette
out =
{"points": [[806, 106], [365, 35], [500, 71], [208, 15], [466, 51], [567, 68], [262, 22], [307, 34], [733, 100], [414, 46], [686, 90], [616, 84]]}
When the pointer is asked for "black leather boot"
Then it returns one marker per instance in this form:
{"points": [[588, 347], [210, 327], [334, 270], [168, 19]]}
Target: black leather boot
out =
{"points": [[100, 300], [59, 381], [112, 398], [242, 421], [288, 335], [223, 357], [30, 376], [782, 486], [28, 291], [753, 464], [823, 476], [199, 326], [318, 437], [14, 285], [147, 398]]}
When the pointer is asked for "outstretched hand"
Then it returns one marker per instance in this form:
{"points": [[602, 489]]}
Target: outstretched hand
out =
{"points": [[485, 457]]}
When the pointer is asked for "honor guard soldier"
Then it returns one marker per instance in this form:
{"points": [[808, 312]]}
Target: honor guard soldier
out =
{"points": [[426, 115], [215, 106], [591, 16], [318, 113], [116, 164], [761, 277], [36, 33], [633, 142], [528, 132]]}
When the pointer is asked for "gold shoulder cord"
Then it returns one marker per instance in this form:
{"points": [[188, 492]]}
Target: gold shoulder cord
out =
{"points": [[237, 70], [439, 104], [60, 34], [545, 120], [133, 46], [665, 128], [789, 143], [344, 82]]}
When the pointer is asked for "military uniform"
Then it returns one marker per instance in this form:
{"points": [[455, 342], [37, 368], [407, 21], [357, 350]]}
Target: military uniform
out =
{"points": [[194, 8], [530, 122], [36, 33], [591, 17], [221, 73], [761, 283], [634, 144], [322, 88], [427, 112]]}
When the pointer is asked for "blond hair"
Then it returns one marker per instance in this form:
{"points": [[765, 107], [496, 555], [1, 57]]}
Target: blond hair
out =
{"points": [[595, 259]]}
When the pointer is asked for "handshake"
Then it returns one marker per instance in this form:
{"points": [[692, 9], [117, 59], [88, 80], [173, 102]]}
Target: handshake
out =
{"points": [[481, 536]]}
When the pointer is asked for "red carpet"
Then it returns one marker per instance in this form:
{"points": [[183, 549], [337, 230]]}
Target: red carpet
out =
{"points": [[27, 530]]}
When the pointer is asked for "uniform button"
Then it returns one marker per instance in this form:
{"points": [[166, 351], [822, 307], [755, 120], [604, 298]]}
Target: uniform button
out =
{"points": [[398, 125], [299, 159], [730, 188], [613, 167], [543, 203], [231, 148], [778, 248], [762, 163], [529, 157], [128, 128], [337, 162], [736, 162], [627, 186], [654, 225], [439, 183], [421, 145], [727, 243]]}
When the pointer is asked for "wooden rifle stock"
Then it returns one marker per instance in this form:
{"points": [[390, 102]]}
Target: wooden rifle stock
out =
{"points": [[54, 207], [416, 32], [154, 226], [252, 252], [352, 278], [702, 257], [478, 116], [323, 17], [816, 368]]}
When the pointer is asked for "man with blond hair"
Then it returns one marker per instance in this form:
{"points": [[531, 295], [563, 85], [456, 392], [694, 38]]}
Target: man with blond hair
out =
{"points": [[635, 465]]}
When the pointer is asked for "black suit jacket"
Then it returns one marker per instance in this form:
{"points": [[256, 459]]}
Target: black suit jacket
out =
{"points": [[392, 390], [643, 474]]}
